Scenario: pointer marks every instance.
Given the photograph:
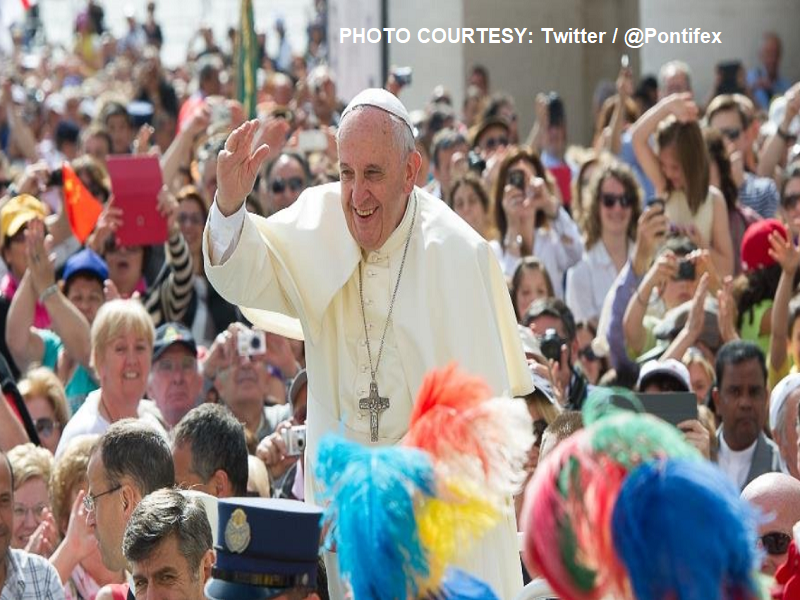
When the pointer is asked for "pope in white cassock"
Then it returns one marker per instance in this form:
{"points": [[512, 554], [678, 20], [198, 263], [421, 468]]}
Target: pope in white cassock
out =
{"points": [[386, 282]]}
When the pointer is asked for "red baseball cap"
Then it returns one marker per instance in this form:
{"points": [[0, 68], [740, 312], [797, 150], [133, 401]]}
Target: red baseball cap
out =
{"points": [[755, 244]]}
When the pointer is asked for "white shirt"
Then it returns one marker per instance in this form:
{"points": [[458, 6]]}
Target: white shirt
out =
{"points": [[735, 463], [588, 282], [558, 247]]}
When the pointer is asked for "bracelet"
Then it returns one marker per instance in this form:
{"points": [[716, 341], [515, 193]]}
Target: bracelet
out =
{"points": [[49, 291]]}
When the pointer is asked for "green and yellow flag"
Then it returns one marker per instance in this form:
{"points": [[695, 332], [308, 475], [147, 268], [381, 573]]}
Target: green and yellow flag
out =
{"points": [[247, 60]]}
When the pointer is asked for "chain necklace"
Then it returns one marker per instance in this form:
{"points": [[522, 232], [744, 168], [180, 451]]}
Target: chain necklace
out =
{"points": [[374, 403]]}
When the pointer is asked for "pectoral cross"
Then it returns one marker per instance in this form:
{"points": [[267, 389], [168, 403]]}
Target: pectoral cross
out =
{"points": [[375, 404]]}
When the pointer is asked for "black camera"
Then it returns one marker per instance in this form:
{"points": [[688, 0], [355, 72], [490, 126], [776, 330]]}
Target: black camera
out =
{"points": [[551, 343], [686, 271], [516, 178], [555, 109], [476, 163], [56, 178]]}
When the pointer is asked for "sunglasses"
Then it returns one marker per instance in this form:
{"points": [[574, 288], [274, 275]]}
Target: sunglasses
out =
{"points": [[609, 200], [588, 354], [790, 200], [190, 219], [46, 426], [775, 542], [492, 142], [732, 134], [295, 184]]}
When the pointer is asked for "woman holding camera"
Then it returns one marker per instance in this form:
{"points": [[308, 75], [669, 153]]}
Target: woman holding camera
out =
{"points": [[610, 232], [531, 220]]}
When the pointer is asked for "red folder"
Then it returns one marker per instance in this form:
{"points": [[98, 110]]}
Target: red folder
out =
{"points": [[135, 182]]}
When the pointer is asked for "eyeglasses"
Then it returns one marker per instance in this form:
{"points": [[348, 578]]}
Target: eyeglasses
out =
{"points": [[295, 184], [790, 200], [46, 426], [167, 365], [190, 219], [21, 511], [775, 542], [90, 502], [731, 133], [492, 142], [588, 354], [609, 200]]}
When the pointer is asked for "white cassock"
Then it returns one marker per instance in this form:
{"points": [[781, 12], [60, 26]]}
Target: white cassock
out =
{"points": [[452, 305]]}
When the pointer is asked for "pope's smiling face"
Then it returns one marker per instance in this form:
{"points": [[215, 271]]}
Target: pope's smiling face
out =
{"points": [[376, 175]]}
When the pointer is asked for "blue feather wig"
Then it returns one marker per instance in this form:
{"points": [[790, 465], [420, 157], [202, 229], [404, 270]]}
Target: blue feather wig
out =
{"points": [[682, 532], [371, 497]]}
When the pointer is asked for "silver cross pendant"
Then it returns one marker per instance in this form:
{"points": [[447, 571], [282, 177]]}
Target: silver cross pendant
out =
{"points": [[375, 404]]}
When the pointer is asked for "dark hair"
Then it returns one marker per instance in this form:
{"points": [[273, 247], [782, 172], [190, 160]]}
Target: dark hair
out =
{"points": [[735, 353], [691, 154], [591, 219], [114, 109], [520, 154], [217, 443], [476, 183], [755, 286], [444, 140], [563, 426], [97, 181], [97, 130], [294, 156], [496, 102], [129, 448], [162, 514], [528, 263], [792, 172], [719, 156], [552, 307], [630, 111]]}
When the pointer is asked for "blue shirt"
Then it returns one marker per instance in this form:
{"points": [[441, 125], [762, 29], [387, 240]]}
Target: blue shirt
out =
{"points": [[80, 384], [761, 96]]}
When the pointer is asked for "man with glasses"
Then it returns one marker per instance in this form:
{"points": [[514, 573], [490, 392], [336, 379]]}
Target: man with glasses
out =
{"points": [[287, 177], [23, 576], [130, 461], [175, 382], [729, 116], [778, 497], [489, 136]]}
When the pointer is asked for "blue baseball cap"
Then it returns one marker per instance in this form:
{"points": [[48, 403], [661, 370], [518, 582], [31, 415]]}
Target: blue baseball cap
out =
{"points": [[265, 547], [86, 262]]}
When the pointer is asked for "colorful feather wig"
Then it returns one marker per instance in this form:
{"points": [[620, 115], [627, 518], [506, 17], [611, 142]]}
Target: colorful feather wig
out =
{"points": [[408, 511], [605, 515]]}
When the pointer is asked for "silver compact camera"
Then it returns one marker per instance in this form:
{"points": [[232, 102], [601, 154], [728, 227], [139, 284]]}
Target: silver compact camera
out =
{"points": [[295, 440], [251, 342]]}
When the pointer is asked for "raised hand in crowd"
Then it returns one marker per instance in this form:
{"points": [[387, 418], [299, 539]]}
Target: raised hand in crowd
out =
{"points": [[664, 269], [44, 539], [697, 435], [141, 143], [650, 234], [78, 543], [787, 254], [726, 312], [41, 263], [238, 165], [167, 206], [773, 151], [272, 450], [107, 224], [695, 322]]}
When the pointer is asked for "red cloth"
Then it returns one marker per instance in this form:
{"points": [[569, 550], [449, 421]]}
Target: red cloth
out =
{"points": [[83, 209], [788, 577]]}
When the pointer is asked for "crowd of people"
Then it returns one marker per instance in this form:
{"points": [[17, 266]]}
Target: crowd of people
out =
{"points": [[662, 256]]}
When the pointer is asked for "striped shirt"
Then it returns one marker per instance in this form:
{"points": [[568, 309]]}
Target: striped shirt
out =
{"points": [[760, 194], [169, 296], [30, 577]]}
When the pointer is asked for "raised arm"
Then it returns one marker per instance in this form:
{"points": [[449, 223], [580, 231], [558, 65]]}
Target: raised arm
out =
{"points": [[774, 149], [179, 152], [787, 255], [684, 109], [721, 244], [664, 269], [22, 340]]}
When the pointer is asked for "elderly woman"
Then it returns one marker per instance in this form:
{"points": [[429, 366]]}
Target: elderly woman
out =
{"points": [[47, 404], [34, 528], [77, 559], [122, 350]]}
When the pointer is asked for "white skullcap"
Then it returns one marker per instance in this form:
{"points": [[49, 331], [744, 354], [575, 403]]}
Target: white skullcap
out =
{"points": [[380, 98], [779, 395], [669, 366]]}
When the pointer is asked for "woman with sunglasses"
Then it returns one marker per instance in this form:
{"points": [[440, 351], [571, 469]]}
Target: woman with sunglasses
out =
{"points": [[530, 219], [609, 227], [790, 199], [47, 404]]}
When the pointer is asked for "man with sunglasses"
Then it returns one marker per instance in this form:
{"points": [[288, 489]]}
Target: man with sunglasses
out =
{"points": [[130, 461], [778, 497], [730, 117], [287, 177]]}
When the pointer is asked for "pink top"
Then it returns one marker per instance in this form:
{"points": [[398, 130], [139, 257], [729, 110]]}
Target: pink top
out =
{"points": [[8, 287]]}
